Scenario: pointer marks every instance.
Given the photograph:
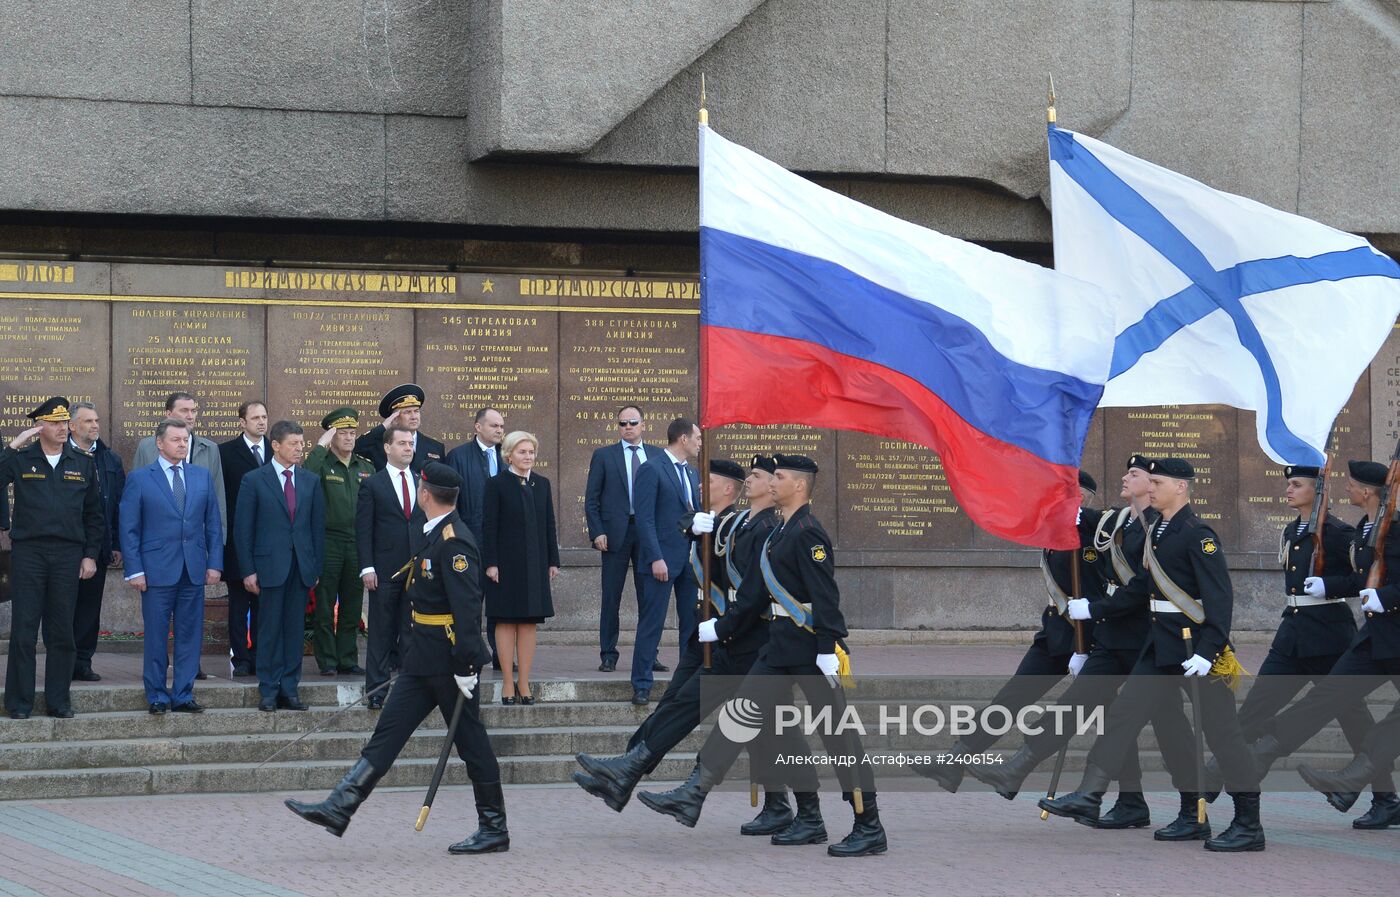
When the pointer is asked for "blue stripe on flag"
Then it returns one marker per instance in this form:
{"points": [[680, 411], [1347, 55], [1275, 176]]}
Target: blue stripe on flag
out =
{"points": [[754, 286]]}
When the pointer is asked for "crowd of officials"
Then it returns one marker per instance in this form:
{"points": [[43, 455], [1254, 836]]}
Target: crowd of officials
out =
{"points": [[301, 533]]}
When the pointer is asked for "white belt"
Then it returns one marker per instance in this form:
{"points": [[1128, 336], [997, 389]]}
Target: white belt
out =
{"points": [[1164, 607], [1308, 600], [780, 611], [1111, 587]]}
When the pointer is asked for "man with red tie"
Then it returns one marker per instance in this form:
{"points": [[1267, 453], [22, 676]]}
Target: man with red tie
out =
{"points": [[386, 521], [280, 532]]}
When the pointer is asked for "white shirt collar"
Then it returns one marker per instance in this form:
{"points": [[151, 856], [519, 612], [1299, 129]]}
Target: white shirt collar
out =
{"points": [[428, 527], [252, 443], [483, 446], [674, 459], [395, 471], [626, 445], [277, 466], [165, 465]]}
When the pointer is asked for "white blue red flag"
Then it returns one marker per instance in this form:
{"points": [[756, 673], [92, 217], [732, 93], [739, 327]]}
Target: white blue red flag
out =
{"points": [[818, 310]]}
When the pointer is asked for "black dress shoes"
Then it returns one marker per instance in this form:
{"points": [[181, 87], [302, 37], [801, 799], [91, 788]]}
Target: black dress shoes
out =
{"points": [[285, 703], [267, 705], [62, 713], [641, 697], [201, 675], [159, 709], [327, 671], [19, 714], [376, 702], [86, 675], [355, 670], [659, 667], [608, 666], [188, 707], [242, 671]]}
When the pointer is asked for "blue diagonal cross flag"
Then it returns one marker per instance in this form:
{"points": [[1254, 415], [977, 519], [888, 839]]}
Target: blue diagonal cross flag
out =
{"points": [[1221, 299]]}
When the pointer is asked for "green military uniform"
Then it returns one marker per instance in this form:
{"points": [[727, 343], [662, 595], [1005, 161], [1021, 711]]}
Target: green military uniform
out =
{"points": [[333, 635]]}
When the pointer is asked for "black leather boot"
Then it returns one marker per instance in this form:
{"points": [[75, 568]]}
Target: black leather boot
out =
{"points": [[1343, 786], [1185, 827], [491, 835], [335, 811], [683, 804], [1083, 804], [1244, 832], [1129, 811], [775, 816], [1384, 812], [617, 775], [948, 775], [867, 838], [807, 826], [1006, 777]]}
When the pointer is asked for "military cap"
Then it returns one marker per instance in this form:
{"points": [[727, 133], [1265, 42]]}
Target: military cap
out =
{"points": [[763, 462], [436, 473], [1368, 473], [1141, 462], [794, 462], [409, 395], [1301, 470], [1176, 468], [1087, 482], [341, 419], [54, 411], [726, 468]]}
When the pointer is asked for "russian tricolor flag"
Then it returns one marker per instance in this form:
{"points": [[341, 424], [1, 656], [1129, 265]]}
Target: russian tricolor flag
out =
{"points": [[818, 310]]}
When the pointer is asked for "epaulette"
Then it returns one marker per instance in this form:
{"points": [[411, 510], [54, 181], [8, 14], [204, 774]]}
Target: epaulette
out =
{"points": [[447, 532]]}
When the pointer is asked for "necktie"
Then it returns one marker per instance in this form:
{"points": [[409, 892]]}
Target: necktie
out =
{"points": [[635, 464], [407, 507], [685, 485], [257, 454], [491, 462], [178, 487], [290, 491]]}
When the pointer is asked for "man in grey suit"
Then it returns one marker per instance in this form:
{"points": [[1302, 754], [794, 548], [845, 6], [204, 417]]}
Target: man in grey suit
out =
{"points": [[203, 452]]}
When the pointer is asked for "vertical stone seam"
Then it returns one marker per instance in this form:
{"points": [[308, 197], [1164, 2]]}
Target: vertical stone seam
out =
{"points": [[191, 23], [885, 147], [1302, 87]]}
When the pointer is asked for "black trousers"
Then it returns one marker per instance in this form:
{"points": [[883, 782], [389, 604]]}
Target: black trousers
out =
{"points": [[242, 605], [389, 617], [43, 590], [1355, 675], [1279, 680], [695, 693], [411, 699], [1382, 744], [1103, 674], [87, 618], [615, 563], [1153, 694], [768, 685], [1036, 674]]}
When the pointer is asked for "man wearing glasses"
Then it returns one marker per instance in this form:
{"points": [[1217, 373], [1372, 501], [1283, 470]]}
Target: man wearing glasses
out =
{"points": [[612, 523]]}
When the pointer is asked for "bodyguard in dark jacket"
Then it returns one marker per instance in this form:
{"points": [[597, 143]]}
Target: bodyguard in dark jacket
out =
{"points": [[239, 456], [111, 478]]}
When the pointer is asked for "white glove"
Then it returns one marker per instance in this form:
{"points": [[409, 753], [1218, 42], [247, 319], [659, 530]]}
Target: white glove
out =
{"points": [[467, 684], [1076, 663], [1371, 601], [707, 631], [828, 664], [1313, 586], [1078, 609], [1196, 665], [1078, 515], [703, 523]]}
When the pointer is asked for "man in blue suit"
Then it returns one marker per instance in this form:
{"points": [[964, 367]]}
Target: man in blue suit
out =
{"points": [[280, 534], [665, 490], [172, 545], [607, 504]]}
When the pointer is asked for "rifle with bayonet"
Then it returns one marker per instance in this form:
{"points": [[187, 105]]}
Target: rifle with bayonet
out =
{"points": [[1375, 577]]}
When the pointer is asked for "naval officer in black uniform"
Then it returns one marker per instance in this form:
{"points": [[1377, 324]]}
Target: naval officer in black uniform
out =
{"points": [[402, 405], [444, 654]]}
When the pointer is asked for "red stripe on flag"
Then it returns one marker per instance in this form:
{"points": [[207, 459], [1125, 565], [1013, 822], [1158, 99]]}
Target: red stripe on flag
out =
{"points": [[754, 378]]}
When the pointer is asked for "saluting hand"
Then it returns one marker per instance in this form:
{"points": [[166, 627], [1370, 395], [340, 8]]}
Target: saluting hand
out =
{"points": [[326, 437], [88, 569], [24, 438]]}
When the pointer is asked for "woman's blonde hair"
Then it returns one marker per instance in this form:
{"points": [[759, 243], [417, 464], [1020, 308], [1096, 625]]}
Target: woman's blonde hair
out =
{"points": [[514, 439]]}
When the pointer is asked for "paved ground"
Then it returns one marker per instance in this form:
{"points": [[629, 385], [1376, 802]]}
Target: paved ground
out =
{"points": [[565, 842]]}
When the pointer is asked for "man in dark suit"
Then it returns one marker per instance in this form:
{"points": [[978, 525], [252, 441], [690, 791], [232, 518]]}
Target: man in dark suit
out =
{"points": [[476, 462], [402, 406], [281, 539], [245, 452], [173, 544], [607, 504], [664, 491], [388, 524], [85, 435]]}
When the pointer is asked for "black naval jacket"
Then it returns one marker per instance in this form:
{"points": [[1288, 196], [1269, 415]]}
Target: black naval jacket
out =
{"points": [[1121, 621], [743, 628], [801, 557], [1056, 629], [1382, 630], [1191, 555], [446, 580], [1325, 629], [61, 503]]}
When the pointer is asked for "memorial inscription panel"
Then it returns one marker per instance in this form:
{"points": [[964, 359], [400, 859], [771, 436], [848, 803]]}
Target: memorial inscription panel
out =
{"points": [[740, 442], [893, 495]]}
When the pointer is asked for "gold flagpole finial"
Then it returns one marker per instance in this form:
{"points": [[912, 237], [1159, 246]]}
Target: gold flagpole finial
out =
{"points": [[704, 113], [1050, 102]]}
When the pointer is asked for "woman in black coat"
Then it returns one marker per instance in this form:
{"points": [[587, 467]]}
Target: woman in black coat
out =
{"points": [[521, 554]]}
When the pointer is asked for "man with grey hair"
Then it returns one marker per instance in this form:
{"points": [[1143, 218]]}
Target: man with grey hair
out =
{"points": [[84, 432]]}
